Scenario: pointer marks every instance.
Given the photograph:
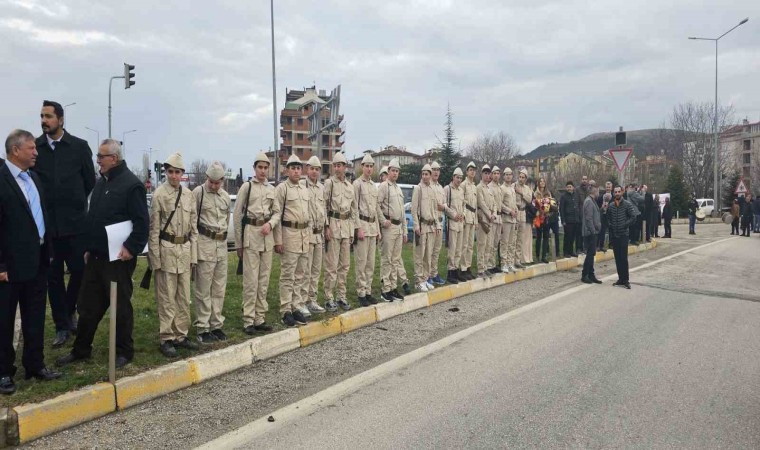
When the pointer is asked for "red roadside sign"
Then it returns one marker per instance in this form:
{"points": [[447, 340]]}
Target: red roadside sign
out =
{"points": [[148, 184], [741, 188], [620, 156]]}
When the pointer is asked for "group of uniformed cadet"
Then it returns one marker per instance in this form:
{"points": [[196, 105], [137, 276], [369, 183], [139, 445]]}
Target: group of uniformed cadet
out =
{"points": [[309, 222]]}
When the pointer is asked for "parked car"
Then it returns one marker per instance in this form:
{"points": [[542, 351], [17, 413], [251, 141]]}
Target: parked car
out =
{"points": [[231, 224], [707, 205]]}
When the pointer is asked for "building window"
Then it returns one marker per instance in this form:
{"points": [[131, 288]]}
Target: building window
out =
{"points": [[746, 158], [326, 155], [299, 122], [325, 140], [747, 145]]}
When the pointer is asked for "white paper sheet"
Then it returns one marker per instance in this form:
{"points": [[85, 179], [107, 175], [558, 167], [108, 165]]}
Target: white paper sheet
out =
{"points": [[117, 234]]}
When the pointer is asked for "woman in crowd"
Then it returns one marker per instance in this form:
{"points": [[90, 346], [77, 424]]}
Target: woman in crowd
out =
{"points": [[735, 213], [542, 199]]}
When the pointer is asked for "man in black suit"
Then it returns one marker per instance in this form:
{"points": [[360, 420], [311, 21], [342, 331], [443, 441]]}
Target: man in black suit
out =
{"points": [[24, 261], [64, 165], [648, 211]]}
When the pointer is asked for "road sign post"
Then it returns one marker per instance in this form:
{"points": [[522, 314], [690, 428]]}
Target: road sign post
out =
{"points": [[620, 156]]}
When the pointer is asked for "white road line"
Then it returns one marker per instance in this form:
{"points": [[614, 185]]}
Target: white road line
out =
{"points": [[243, 436]]}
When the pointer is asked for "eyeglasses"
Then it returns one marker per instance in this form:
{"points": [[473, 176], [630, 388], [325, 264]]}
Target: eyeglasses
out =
{"points": [[101, 156]]}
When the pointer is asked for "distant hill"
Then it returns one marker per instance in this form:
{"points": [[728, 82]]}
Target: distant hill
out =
{"points": [[643, 142]]}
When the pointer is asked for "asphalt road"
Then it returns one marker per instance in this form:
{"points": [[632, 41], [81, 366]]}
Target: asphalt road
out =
{"points": [[673, 362]]}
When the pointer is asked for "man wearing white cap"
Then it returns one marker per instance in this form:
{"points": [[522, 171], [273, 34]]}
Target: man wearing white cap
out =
{"points": [[454, 198], [426, 227], [318, 216], [470, 222], [212, 204], [172, 245], [524, 195], [495, 186], [256, 216], [441, 207], [383, 173], [291, 241], [367, 231], [486, 220], [390, 201], [508, 223], [339, 234]]}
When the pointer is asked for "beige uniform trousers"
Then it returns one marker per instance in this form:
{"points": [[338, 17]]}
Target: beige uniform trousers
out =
{"points": [[364, 256], [485, 242], [468, 244], [507, 243], [436, 254], [210, 287], [392, 270], [525, 242], [337, 263], [423, 256], [173, 304], [308, 278], [257, 267], [290, 291], [455, 249], [493, 256]]}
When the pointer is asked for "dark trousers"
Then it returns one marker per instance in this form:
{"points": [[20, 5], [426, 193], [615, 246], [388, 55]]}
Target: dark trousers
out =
{"points": [[578, 236], [636, 229], [30, 297], [692, 223], [94, 301], [668, 229], [588, 263], [648, 229], [542, 241], [735, 226], [554, 228], [63, 299], [602, 235], [571, 230], [619, 246]]}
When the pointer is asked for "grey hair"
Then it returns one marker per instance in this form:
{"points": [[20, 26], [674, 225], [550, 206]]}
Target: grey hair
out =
{"points": [[16, 139], [114, 147]]}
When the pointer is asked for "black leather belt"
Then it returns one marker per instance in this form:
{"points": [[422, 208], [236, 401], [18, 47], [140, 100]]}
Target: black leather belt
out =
{"points": [[168, 237], [296, 225], [215, 235], [469, 208], [316, 230], [393, 221], [338, 216], [428, 222], [367, 219], [255, 222]]}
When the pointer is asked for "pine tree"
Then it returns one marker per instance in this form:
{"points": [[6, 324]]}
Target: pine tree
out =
{"points": [[449, 156], [729, 186], [676, 187]]}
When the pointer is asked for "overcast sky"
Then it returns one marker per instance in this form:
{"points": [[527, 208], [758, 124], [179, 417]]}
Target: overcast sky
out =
{"points": [[544, 71]]}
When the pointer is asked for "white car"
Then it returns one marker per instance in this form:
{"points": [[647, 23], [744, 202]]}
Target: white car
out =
{"points": [[707, 205]]}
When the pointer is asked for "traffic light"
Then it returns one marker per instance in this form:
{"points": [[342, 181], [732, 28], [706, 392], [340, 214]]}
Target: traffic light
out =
{"points": [[149, 174], [128, 75], [160, 171]]}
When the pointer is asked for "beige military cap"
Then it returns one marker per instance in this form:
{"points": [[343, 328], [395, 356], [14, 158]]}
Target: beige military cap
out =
{"points": [[313, 162], [215, 171], [261, 157], [427, 167], [383, 170], [458, 171], [394, 164], [293, 160], [485, 168], [495, 169], [507, 170], [472, 164], [175, 160], [435, 165], [368, 160], [339, 158]]}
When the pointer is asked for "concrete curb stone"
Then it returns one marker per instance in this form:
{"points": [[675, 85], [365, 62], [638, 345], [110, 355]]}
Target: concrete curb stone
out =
{"points": [[131, 391], [211, 365], [271, 345]]}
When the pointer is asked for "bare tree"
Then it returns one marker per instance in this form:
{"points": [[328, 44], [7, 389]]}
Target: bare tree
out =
{"points": [[574, 170], [139, 173], [691, 143], [494, 148]]}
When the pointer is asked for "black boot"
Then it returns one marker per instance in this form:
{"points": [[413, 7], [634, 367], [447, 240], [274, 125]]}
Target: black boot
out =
{"points": [[452, 277]]}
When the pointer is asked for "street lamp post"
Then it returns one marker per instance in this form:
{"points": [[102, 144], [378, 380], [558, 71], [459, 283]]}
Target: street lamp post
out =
{"points": [[66, 106], [716, 182], [96, 132], [124, 143], [274, 103]]}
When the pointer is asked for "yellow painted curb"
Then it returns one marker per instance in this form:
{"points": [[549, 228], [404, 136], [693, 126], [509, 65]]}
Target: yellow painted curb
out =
{"points": [[439, 294], [459, 290], [510, 277], [479, 284], [567, 263], [319, 331], [415, 301], [632, 249], [146, 386], [385, 311], [40, 419], [273, 344], [357, 318], [211, 365]]}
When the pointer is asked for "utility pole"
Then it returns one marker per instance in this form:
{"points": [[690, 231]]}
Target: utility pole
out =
{"points": [[127, 77], [274, 103]]}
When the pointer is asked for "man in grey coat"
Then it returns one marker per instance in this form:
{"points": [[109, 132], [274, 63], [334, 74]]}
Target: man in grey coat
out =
{"points": [[591, 226]]}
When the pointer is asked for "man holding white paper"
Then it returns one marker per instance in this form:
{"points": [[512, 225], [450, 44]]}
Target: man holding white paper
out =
{"points": [[118, 197]]}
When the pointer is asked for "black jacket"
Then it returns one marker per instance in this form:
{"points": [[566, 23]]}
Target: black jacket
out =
{"points": [[20, 252], [568, 208], [648, 205], [118, 196], [667, 212], [68, 176], [619, 218], [693, 207]]}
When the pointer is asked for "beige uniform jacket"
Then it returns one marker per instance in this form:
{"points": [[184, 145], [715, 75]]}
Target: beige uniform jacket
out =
{"points": [[524, 196], [365, 194], [390, 205], [295, 229], [214, 214], [440, 198], [454, 206], [165, 255], [424, 212], [497, 197], [486, 203], [339, 196], [261, 206], [317, 210], [508, 203], [471, 200]]}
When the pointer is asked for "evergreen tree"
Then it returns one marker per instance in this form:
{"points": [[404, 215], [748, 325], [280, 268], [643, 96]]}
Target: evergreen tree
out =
{"points": [[410, 174], [449, 156], [729, 185], [676, 187]]}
